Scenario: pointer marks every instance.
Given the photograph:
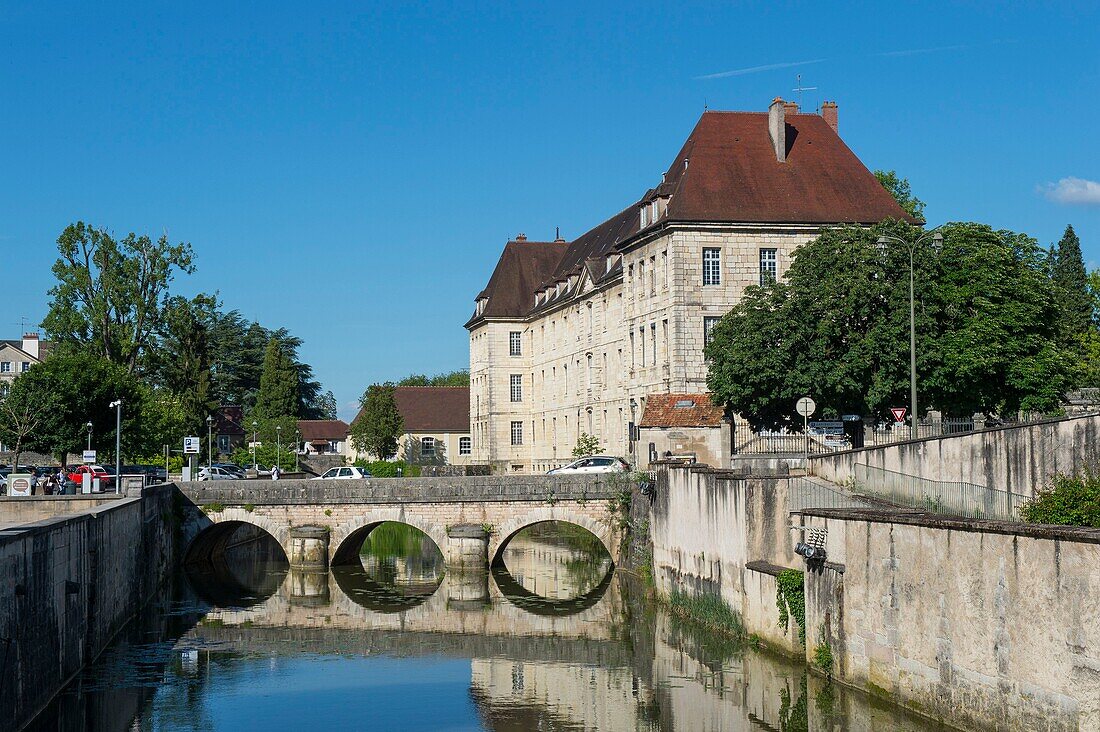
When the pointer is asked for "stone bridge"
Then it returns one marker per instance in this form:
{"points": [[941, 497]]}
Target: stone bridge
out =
{"points": [[324, 522]]}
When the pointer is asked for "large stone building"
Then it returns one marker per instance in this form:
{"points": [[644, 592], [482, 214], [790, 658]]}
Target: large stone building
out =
{"points": [[571, 337]]}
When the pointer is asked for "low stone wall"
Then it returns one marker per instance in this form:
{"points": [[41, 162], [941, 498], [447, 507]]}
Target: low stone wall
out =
{"points": [[983, 624], [15, 510], [725, 533], [1018, 459], [69, 585]]}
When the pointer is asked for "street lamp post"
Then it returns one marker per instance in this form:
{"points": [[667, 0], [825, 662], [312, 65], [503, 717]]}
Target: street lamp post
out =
{"points": [[117, 404], [255, 424], [937, 244], [209, 443], [297, 447], [89, 435], [279, 446]]}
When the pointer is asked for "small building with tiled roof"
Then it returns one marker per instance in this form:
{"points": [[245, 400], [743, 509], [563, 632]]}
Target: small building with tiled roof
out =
{"points": [[323, 436], [571, 337], [686, 427], [437, 425], [17, 356]]}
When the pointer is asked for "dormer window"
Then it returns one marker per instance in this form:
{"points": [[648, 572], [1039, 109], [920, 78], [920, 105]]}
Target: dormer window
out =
{"points": [[645, 215], [480, 305], [653, 214]]}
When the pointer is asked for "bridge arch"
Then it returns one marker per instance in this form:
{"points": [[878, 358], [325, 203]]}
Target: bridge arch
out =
{"points": [[600, 529], [209, 534], [347, 538]]}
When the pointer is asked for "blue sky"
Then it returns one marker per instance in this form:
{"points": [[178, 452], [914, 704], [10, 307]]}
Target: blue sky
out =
{"points": [[352, 173]]}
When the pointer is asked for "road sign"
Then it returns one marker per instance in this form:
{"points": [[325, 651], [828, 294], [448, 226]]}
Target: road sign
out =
{"points": [[827, 427], [899, 414], [805, 406], [192, 446], [89, 456]]}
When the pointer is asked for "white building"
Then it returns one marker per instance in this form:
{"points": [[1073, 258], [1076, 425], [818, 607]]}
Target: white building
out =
{"points": [[571, 337], [18, 356]]}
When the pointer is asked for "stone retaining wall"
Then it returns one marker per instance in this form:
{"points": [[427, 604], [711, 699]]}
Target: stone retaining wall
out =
{"points": [[1019, 459], [69, 585], [15, 510]]}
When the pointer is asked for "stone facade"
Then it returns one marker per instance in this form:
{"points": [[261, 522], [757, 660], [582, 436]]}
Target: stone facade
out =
{"points": [[588, 365]]}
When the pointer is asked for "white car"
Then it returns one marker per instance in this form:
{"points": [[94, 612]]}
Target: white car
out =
{"points": [[351, 473], [216, 473], [593, 464]]}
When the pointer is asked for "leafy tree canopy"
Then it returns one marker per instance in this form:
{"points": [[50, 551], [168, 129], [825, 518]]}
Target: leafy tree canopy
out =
{"points": [[899, 189], [111, 295], [837, 328], [379, 424], [459, 377], [586, 445]]}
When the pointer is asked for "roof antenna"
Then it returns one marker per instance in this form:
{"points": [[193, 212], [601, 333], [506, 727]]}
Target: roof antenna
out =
{"points": [[704, 104], [799, 88], [557, 233]]}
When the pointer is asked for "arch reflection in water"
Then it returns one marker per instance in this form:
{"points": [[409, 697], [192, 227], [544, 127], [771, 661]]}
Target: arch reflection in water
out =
{"points": [[235, 565], [553, 568], [397, 567]]}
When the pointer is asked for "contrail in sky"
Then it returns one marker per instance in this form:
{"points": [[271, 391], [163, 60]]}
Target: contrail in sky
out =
{"points": [[755, 69], [915, 51]]}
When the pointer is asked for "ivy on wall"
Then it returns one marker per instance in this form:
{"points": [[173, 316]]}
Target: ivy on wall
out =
{"points": [[790, 598]]}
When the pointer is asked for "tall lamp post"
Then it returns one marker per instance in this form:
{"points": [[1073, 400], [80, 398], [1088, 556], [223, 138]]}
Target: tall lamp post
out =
{"points": [[89, 425], [255, 424], [209, 443], [297, 447], [117, 404], [279, 446], [937, 245]]}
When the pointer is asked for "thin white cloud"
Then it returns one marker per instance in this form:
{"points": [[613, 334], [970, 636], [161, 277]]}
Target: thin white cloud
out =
{"points": [[1073, 192], [915, 51], [757, 69]]}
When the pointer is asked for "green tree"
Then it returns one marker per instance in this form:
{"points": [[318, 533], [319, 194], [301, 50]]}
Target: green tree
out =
{"points": [[459, 377], [23, 411], [587, 445], [379, 424], [326, 407], [837, 329], [181, 364], [278, 394], [79, 387], [110, 295], [899, 189], [1073, 293]]}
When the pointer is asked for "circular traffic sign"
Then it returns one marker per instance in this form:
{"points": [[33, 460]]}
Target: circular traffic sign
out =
{"points": [[805, 406]]}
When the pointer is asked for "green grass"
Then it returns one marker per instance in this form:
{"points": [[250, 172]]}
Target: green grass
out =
{"points": [[708, 610]]}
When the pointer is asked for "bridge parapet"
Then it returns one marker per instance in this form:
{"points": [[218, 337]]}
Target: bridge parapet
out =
{"points": [[407, 490]]}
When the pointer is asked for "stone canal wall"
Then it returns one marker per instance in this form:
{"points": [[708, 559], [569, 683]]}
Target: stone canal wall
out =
{"points": [[721, 532], [15, 510], [1018, 459], [69, 585], [986, 624]]}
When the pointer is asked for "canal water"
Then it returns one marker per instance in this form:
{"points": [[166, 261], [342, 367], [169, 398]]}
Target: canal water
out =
{"points": [[553, 638]]}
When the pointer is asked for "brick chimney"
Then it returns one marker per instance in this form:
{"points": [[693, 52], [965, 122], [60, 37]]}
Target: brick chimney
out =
{"points": [[790, 107], [521, 237], [30, 344], [828, 112], [777, 127]]}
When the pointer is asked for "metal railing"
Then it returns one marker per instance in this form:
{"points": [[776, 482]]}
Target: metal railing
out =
{"points": [[805, 493], [953, 498]]}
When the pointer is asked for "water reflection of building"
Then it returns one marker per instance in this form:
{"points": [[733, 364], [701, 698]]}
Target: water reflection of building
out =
{"points": [[574, 696]]}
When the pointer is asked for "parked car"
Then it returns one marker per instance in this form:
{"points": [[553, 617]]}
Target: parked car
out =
{"points": [[215, 473], [106, 477], [260, 469], [231, 467], [593, 464], [344, 474]]}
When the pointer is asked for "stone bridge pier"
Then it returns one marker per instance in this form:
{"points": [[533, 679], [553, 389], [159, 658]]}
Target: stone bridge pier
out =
{"points": [[324, 523]]}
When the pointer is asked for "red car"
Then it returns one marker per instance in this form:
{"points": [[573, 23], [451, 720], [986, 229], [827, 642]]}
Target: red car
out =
{"points": [[76, 475]]}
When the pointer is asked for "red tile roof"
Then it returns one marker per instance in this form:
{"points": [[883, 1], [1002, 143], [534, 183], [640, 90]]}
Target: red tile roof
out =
{"points": [[433, 408], [731, 175], [681, 410], [322, 429]]}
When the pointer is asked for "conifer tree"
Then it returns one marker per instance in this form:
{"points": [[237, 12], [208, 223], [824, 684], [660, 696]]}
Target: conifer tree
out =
{"points": [[278, 394], [1072, 292]]}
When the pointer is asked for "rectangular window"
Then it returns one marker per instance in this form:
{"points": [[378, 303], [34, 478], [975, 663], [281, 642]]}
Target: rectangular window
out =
{"points": [[465, 445], [653, 276], [515, 343], [427, 446], [709, 321], [768, 268], [515, 387], [517, 433], [5, 367], [25, 366], [712, 266], [664, 270], [653, 343], [641, 343]]}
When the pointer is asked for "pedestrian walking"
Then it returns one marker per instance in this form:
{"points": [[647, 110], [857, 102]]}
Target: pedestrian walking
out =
{"points": [[275, 472]]}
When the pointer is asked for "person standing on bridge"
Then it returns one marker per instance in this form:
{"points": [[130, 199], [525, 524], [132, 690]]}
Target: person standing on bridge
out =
{"points": [[275, 472]]}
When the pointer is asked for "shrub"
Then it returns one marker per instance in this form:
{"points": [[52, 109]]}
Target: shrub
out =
{"points": [[1070, 501], [388, 468], [791, 601]]}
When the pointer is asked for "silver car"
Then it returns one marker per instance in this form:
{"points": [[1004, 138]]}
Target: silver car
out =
{"points": [[216, 473], [351, 473], [593, 464]]}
